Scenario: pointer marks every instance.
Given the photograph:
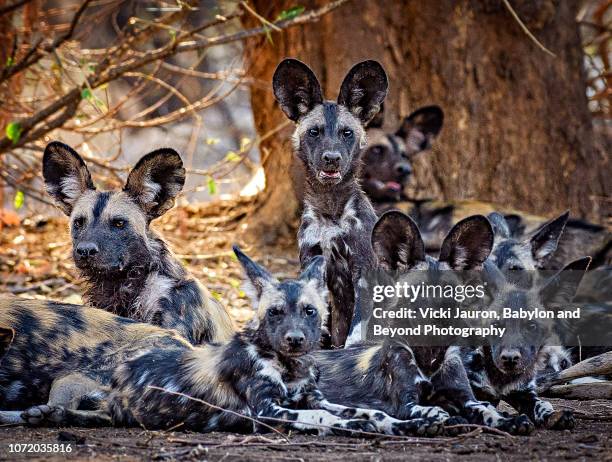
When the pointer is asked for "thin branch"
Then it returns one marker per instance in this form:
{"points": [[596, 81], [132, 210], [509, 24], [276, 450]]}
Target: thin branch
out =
{"points": [[526, 30], [219, 408], [35, 53], [104, 75]]}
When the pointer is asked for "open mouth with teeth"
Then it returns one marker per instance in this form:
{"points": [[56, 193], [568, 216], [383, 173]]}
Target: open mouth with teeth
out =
{"points": [[330, 174]]}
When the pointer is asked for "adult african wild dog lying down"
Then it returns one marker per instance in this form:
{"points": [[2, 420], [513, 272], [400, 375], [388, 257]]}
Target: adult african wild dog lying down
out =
{"points": [[129, 270], [74, 356], [506, 368], [387, 160], [415, 381], [338, 217]]}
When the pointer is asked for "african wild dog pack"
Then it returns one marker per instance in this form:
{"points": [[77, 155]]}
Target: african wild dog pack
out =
{"points": [[152, 346]]}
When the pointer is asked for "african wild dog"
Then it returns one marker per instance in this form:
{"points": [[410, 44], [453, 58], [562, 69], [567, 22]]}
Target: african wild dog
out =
{"points": [[387, 159], [65, 355], [531, 253], [338, 217], [506, 368], [410, 381], [265, 372], [128, 268]]}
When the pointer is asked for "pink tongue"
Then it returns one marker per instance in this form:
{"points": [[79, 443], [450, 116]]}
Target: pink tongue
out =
{"points": [[393, 186]]}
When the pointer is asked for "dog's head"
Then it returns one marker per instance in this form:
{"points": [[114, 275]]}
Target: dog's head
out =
{"points": [[387, 160], [289, 313], [110, 228], [329, 135]]}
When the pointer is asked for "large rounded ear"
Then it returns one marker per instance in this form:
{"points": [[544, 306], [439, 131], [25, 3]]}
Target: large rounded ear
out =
{"points": [[420, 128], [296, 88], [562, 287], [364, 89], [468, 244], [545, 240], [155, 181], [257, 276], [397, 242], [66, 175]]}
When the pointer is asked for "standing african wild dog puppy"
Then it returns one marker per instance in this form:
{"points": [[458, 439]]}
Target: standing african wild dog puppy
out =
{"points": [[128, 268], [265, 371], [387, 159], [506, 368], [328, 139], [410, 381]]}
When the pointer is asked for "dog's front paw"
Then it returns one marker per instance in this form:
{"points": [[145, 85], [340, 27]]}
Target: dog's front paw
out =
{"points": [[517, 425], [353, 427], [560, 420], [417, 427], [43, 415], [456, 425]]}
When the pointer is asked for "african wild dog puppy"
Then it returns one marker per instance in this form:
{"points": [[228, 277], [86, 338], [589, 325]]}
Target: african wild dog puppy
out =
{"points": [[512, 253], [415, 381], [338, 217], [531, 253], [387, 159], [128, 268], [264, 372], [506, 368]]}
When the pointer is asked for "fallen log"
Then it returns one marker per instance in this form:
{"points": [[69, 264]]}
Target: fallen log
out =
{"points": [[583, 391], [597, 365]]}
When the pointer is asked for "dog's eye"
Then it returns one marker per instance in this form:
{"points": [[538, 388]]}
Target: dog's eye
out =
{"points": [[118, 223], [310, 311], [347, 133], [314, 132], [274, 312], [532, 326], [79, 222]]}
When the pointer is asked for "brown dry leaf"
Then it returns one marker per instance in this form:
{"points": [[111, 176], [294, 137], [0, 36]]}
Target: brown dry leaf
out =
{"points": [[9, 218]]}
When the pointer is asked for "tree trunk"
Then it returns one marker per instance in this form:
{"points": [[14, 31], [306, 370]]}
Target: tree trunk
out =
{"points": [[517, 129]]}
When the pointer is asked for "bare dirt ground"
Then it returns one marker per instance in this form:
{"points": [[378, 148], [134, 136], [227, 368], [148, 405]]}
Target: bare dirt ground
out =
{"points": [[591, 440], [35, 262]]}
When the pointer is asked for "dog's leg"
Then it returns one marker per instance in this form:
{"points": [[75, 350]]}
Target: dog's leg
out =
{"points": [[65, 396], [540, 411], [452, 387]]}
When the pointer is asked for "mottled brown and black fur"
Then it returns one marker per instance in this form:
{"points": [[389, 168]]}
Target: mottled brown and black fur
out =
{"points": [[329, 136], [66, 354], [128, 269], [97, 360], [506, 368], [415, 381]]}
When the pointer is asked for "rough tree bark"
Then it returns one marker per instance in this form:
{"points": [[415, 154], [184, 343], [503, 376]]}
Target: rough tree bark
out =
{"points": [[517, 130]]}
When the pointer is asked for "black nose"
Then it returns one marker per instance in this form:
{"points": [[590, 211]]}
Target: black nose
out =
{"points": [[87, 249], [403, 169], [331, 157], [511, 357], [295, 339]]}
